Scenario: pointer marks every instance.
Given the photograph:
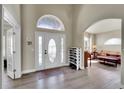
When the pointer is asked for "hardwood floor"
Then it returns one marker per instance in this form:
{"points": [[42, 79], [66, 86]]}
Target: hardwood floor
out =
{"points": [[98, 76]]}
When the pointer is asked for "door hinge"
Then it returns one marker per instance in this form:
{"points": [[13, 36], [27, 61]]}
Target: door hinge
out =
{"points": [[14, 73], [45, 52]]}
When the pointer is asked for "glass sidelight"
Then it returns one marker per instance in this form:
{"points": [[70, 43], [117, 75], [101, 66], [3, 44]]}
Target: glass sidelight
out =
{"points": [[40, 51]]}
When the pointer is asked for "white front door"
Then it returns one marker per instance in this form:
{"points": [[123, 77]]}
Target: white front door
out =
{"points": [[10, 53], [49, 50], [52, 50]]}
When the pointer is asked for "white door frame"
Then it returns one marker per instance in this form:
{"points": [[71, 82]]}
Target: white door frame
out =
{"points": [[17, 32], [36, 42]]}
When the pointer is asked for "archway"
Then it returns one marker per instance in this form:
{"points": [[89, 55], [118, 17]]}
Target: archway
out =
{"points": [[93, 43], [102, 26]]}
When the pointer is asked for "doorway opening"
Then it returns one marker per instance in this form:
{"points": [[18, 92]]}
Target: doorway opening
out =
{"points": [[7, 45], [11, 48], [102, 44]]}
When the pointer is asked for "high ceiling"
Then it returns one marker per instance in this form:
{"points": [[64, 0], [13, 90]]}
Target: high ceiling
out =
{"points": [[105, 26]]}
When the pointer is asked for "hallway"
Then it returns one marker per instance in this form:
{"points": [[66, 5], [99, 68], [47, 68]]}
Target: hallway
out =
{"points": [[98, 76]]}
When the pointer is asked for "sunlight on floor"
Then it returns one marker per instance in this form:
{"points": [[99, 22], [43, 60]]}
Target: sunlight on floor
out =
{"points": [[93, 61]]}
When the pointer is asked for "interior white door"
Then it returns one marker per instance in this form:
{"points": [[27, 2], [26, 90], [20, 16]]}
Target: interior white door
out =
{"points": [[10, 53], [49, 50]]}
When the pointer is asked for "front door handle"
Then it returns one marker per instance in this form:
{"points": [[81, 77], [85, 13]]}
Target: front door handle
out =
{"points": [[45, 52], [14, 52]]}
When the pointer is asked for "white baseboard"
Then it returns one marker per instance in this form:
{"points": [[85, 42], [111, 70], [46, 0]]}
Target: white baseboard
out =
{"points": [[28, 71], [18, 76], [34, 70], [122, 86], [66, 64]]}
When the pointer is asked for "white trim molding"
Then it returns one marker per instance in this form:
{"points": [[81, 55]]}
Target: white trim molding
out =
{"points": [[28, 71]]}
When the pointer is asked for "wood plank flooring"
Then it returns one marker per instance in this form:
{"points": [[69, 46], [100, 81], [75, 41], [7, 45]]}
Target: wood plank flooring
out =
{"points": [[98, 76]]}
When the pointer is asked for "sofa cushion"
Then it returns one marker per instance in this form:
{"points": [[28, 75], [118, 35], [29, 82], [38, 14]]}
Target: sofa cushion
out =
{"points": [[116, 55]]}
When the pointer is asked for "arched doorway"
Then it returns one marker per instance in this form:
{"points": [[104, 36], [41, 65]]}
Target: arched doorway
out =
{"points": [[49, 42], [103, 38]]}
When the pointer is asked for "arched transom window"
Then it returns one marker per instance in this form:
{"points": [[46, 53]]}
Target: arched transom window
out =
{"points": [[50, 22]]}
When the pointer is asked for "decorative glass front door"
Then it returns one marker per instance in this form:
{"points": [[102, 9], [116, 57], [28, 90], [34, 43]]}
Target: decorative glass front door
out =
{"points": [[49, 50]]}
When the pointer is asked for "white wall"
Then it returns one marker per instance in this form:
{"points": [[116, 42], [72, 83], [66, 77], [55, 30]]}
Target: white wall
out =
{"points": [[30, 15], [101, 38]]}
